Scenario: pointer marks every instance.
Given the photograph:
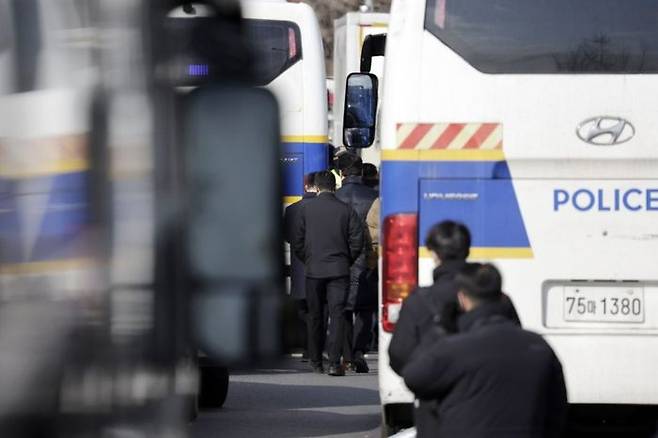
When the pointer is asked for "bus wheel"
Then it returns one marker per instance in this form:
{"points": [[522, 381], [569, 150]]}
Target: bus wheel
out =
{"points": [[191, 407], [213, 386], [396, 417]]}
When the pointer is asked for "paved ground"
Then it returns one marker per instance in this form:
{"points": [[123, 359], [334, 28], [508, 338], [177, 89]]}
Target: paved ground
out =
{"points": [[292, 402]]}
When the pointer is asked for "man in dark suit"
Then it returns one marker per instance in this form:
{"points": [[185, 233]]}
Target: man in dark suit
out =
{"points": [[297, 276], [328, 238]]}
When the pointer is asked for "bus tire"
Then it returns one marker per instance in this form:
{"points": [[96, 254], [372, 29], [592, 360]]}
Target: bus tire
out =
{"points": [[396, 416], [191, 407], [213, 386]]}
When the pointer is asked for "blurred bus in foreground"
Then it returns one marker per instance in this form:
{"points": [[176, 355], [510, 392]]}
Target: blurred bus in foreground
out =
{"points": [[118, 259]]}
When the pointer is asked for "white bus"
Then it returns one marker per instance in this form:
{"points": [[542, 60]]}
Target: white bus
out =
{"points": [[288, 57], [533, 124], [290, 60]]}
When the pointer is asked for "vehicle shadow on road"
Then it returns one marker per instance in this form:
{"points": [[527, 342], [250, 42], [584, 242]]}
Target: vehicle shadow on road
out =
{"points": [[286, 411]]}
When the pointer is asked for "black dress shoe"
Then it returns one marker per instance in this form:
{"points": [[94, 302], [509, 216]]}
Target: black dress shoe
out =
{"points": [[360, 365], [336, 371]]}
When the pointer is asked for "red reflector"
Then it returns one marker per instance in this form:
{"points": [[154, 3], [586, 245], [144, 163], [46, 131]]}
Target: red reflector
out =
{"points": [[292, 43], [400, 265], [440, 17]]}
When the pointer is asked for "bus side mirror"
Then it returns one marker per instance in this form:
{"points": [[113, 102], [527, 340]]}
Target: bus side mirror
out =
{"points": [[360, 111]]}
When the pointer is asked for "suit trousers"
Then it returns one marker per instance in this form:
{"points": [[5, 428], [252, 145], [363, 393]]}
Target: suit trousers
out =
{"points": [[358, 333], [330, 292]]}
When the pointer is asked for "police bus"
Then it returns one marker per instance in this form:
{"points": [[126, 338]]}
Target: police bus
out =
{"points": [[114, 261], [533, 124], [288, 59], [290, 63]]}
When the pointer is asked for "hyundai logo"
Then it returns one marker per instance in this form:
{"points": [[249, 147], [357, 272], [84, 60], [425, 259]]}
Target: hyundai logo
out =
{"points": [[605, 131]]}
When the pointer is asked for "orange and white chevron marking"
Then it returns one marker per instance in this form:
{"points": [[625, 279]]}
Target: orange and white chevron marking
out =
{"points": [[450, 136]]}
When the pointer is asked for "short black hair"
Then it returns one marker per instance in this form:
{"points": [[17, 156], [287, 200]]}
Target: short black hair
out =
{"points": [[449, 240], [346, 160], [370, 171], [481, 282], [325, 181], [370, 175], [309, 179], [355, 168]]}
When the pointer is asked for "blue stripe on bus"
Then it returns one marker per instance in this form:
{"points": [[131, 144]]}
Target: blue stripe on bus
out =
{"points": [[479, 194], [297, 160], [58, 204]]}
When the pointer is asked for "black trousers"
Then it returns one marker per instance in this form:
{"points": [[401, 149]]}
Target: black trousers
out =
{"points": [[358, 333], [302, 316], [330, 292]]}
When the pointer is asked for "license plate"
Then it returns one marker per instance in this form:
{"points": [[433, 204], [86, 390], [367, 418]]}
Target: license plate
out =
{"points": [[603, 304]]}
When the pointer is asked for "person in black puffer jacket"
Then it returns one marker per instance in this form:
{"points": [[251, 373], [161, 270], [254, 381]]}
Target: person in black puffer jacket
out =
{"points": [[434, 310], [362, 300], [492, 379]]}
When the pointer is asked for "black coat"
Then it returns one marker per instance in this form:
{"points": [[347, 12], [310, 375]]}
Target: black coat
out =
{"points": [[363, 284], [357, 195], [417, 315], [328, 237], [297, 277], [493, 379], [416, 322]]}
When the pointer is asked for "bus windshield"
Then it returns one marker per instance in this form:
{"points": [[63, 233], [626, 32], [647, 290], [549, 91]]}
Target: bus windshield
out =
{"points": [[549, 36]]}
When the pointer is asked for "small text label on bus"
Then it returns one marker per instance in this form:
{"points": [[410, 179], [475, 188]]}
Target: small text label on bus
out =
{"points": [[633, 199]]}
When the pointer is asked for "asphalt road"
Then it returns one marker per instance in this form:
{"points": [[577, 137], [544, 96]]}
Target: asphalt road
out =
{"points": [[290, 401]]}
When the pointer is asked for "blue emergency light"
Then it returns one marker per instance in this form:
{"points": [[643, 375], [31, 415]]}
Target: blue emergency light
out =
{"points": [[198, 70]]}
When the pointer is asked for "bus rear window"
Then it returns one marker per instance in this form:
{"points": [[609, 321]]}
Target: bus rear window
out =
{"points": [[200, 49], [276, 46], [549, 36]]}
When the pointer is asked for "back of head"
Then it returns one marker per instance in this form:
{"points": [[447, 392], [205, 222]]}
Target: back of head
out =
{"points": [[325, 181], [370, 171], [355, 168], [348, 160], [309, 181], [449, 240], [480, 282]]}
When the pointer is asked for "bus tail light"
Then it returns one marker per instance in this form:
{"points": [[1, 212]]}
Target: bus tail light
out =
{"points": [[292, 43], [400, 265]]}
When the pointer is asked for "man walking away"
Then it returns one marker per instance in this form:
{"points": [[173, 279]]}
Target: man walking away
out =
{"points": [[328, 238], [362, 299], [493, 379], [297, 276]]}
